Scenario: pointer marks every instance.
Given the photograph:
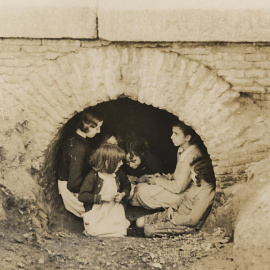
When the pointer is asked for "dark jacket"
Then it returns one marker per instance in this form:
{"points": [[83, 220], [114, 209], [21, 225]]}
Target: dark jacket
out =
{"points": [[74, 162], [150, 164], [92, 185]]}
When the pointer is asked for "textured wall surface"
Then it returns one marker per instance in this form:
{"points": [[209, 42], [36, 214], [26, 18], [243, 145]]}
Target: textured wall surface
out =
{"points": [[46, 82], [222, 90], [252, 238]]}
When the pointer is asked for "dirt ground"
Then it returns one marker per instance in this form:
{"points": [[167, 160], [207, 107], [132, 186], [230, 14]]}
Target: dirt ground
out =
{"points": [[66, 250]]}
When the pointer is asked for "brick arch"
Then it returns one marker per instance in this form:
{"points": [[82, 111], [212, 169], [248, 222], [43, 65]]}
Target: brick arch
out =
{"points": [[165, 80]]}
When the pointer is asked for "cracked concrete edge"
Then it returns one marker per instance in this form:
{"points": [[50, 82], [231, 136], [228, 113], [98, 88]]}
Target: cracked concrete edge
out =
{"points": [[142, 20]]}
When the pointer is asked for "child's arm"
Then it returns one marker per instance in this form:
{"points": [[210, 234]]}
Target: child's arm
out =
{"points": [[77, 154], [86, 192], [125, 186], [176, 204], [181, 175]]}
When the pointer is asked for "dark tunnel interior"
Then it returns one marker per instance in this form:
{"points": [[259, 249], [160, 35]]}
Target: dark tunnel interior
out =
{"points": [[124, 116]]}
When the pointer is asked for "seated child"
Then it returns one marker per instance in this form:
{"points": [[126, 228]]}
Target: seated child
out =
{"points": [[139, 161], [102, 191], [192, 208]]}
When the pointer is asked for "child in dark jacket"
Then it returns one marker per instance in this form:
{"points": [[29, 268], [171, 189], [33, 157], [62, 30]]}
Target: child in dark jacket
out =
{"points": [[102, 191], [74, 159]]}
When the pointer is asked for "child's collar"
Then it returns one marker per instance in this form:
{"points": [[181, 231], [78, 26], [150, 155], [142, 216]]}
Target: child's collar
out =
{"points": [[82, 134]]}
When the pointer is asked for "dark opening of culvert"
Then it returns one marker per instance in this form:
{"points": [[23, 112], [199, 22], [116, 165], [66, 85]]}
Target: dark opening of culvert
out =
{"points": [[122, 116]]}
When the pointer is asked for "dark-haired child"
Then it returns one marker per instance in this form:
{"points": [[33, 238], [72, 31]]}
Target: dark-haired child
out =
{"points": [[191, 209], [139, 161], [102, 191]]}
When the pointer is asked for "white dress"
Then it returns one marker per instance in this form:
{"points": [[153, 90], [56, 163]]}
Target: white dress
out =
{"points": [[108, 218]]}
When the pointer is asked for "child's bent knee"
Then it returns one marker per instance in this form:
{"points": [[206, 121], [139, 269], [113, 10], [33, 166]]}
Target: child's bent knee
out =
{"points": [[140, 222]]}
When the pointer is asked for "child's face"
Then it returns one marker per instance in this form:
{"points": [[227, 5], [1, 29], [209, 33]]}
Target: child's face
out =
{"points": [[178, 137], [120, 163], [133, 162], [93, 131]]}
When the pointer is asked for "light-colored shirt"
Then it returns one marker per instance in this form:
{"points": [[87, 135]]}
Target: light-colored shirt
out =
{"points": [[182, 171]]}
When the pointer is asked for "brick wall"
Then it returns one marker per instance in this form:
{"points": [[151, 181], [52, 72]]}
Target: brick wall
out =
{"points": [[221, 90]]}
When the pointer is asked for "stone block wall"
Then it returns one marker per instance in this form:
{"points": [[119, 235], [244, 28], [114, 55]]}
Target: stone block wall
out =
{"points": [[45, 82], [218, 85]]}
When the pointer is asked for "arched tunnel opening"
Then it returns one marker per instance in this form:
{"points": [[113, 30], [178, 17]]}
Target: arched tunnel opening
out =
{"points": [[122, 116]]}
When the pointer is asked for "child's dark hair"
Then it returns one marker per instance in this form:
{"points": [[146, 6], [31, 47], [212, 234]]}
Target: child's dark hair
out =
{"points": [[195, 138], [204, 170], [106, 158], [90, 117], [136, 146], [187, 130]]}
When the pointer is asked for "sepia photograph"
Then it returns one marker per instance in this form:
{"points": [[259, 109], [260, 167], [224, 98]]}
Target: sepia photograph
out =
{"points": [[135, 134]]}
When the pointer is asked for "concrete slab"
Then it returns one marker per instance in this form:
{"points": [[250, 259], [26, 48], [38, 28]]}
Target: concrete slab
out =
{"points": [[48, 19], [189, 20]]}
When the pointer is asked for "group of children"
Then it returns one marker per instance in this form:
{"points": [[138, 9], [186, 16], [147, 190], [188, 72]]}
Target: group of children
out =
{"points": [[95, 190]]}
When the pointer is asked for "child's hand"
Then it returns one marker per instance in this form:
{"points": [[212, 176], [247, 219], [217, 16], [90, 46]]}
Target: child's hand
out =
{"points": [[151, 180], [119, 196], [170, 213], [142, 179], [107, 198]]}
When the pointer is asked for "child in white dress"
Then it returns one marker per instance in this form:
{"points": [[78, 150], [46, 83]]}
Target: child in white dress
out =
{"points": [[102, 192]]}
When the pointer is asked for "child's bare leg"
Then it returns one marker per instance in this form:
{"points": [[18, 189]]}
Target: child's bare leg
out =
{"points": [[140, 222]]}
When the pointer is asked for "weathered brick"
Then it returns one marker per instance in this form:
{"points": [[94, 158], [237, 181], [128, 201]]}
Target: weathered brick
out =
{"points": [[52, 56], [264, 49], [9, 55], [232, 65], [237, 49], [256, 57], [205, 57], [262, 64], [61, 42], [7, 70], [9, 48], [264, 81], [13, 78], [34, 49], [255, 73], [249, 89], [231, 73], [14, 63], [192, 50], [240, 81], [43, 48], [232, 56], [264, 104], [22, 41]]}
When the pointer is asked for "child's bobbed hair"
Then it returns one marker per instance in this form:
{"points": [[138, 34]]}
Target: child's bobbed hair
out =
{"points": [[90, 118], [106, 158], [204, 170]]}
